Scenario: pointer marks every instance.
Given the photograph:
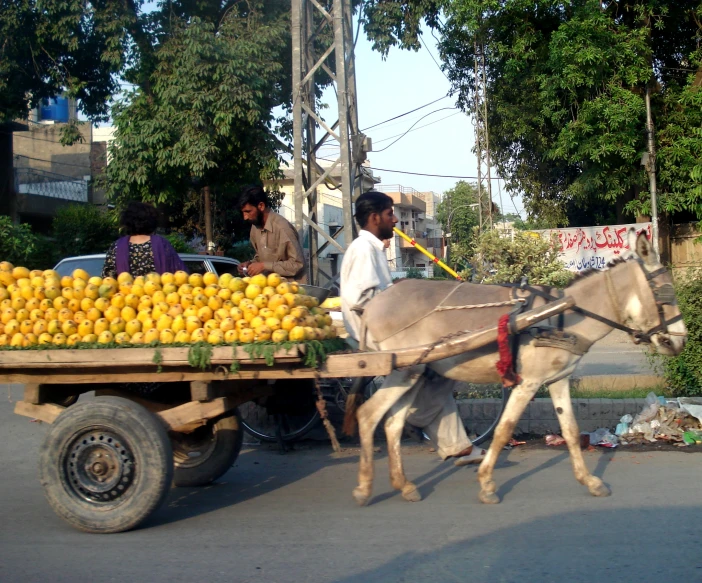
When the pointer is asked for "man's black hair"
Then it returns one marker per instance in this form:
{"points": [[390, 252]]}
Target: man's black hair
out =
{"points": [[371, 202], [139, 218], [253, 195]]}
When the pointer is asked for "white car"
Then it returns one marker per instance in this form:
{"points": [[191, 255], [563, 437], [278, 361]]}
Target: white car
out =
{"points": [[195, 263]]}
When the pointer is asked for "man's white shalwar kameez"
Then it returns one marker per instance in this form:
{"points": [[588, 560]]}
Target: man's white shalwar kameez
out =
{"points": [[364, 274]]}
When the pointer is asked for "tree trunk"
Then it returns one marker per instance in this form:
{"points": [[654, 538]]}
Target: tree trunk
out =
{"points": [[207, 204]]}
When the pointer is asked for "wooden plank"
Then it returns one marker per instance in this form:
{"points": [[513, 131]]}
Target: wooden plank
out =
{"points": [[202, 391], [190, 416], [356, 364], [33, 393], [89, 358], [46, 412], [474, 340]]}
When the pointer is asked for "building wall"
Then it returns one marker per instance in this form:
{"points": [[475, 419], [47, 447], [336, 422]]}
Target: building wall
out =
{"points": [[39, 148]]}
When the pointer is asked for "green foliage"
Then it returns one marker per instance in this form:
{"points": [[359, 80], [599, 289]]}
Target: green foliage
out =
{"points": [[82, 229], [456, 214], [414, 273], [683, 373], [17, 242], [496, 259], [205, 118], [177, 240], [243, 251], [565, 87], [47, 48]]}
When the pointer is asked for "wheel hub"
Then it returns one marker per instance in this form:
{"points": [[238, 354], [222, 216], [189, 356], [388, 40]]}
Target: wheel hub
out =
{"points": [[99, 466]]}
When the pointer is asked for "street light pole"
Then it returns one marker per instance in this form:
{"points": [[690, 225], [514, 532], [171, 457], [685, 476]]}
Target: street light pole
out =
{"points": [[447, 234]]}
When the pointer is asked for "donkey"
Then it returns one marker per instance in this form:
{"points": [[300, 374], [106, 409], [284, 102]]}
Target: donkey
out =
{"points": [[635, 295]]}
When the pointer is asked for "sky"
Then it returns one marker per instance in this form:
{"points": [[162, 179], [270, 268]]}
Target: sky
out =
{"points": [[404, 81]]}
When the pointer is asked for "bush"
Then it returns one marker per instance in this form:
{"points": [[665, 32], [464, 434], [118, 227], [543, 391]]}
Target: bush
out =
{"points": [[179, 243], [17, 242], [498, 259], [414, 273], [683, 373], [243, 251], [83, 229]]}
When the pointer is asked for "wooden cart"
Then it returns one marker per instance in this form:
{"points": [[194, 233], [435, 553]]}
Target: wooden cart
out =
{"points": [[107, 463]]}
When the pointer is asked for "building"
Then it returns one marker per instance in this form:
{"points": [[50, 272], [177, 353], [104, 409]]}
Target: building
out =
{"points": [[413, 209], [46, 175]]}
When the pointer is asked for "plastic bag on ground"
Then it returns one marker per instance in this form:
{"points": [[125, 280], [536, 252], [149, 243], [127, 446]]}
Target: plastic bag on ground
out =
{"points": [[650, 409], [604, 437]]}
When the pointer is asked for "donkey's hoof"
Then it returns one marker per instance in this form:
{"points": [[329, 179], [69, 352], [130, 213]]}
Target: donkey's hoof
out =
{"points": [[599, 489], [360, 496], [410, 493], [488, 497]]}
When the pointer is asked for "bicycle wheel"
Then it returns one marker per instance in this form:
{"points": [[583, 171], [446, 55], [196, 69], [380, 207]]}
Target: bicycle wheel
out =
{"points": [[291, 409], [337, 390], [487, 411]]}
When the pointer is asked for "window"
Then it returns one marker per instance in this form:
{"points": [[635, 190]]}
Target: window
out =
{"points": [[196, 267], [222, 267], [93, 266]]}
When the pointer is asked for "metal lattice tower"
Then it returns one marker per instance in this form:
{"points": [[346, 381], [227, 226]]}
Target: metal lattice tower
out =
{"points": [[482, 135], [322, 35]]}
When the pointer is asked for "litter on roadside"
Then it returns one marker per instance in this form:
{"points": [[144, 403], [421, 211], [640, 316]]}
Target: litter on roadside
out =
{"points": [[678, 421], [554, 440]]}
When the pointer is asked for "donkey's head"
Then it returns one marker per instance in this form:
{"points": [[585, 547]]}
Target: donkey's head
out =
{"points": [[652, 308]]}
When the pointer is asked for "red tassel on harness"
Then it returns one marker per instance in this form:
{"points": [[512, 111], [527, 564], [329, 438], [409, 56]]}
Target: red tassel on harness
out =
{"points": [[505, 366]]}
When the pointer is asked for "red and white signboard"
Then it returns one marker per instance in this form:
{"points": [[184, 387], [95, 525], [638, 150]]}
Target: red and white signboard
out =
{"points": [[594, 247]]}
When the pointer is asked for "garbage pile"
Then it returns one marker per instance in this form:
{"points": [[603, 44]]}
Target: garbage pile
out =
{"points": [[678, 421]]}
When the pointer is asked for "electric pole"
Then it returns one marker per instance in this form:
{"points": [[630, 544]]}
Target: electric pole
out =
{"points": [[314, 22], [482, 135]]}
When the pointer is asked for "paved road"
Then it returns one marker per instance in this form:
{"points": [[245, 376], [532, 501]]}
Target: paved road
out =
{"points": [[615, 359], [289, 519]]}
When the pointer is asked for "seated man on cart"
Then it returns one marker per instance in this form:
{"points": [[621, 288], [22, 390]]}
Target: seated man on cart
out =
{"points": [[365, 273]]}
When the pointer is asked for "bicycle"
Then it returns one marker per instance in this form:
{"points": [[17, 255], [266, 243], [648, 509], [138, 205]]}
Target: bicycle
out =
{"points": [[269, 423], [286, 416]]}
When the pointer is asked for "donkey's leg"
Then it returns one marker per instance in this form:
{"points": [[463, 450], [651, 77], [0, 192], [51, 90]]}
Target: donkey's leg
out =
{"points": [[560, 393], [518, 401], [396, 384], [394, 424]]}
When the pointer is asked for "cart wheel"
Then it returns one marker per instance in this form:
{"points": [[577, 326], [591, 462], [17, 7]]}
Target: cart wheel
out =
{"points": [[106, 465], [208, 452]]}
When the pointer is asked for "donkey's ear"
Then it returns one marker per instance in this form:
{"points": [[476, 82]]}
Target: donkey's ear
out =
{"points": [[643, 247]]}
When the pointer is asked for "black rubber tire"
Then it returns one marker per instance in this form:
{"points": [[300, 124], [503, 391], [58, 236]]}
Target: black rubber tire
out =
{"points": [[133, 451], [219, 444], [487, 434]]}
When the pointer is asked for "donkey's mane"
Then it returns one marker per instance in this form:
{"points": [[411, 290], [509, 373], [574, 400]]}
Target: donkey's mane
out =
{"points": [[592, 271]]}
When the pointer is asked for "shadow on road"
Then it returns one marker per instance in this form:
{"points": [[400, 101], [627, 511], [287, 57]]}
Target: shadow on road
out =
{"points": [[617, 545]]}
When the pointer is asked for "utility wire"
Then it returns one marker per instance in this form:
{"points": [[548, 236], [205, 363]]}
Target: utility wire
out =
{"points": [[52, 162], [410, 128], [415, 129], [426, 174], [404, 114]]}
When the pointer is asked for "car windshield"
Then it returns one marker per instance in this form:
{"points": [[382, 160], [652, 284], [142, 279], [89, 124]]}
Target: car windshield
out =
{"points": [[93, 265], [222, 267]]}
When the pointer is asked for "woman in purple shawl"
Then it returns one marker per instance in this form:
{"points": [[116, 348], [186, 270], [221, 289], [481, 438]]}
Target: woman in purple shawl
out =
{"points": [[140, 251]]}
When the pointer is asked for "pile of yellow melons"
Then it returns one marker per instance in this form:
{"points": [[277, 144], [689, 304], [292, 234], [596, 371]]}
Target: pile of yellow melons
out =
{"points": [[43, 308]]}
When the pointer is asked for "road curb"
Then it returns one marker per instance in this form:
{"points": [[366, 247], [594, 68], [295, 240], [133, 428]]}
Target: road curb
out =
{"points": [[540, 417]]}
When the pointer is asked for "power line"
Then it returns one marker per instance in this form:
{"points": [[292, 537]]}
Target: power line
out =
{"points": [[426, 174], [410, 128], [404, 114], [421, 40], [53, 161], [419, 128]]}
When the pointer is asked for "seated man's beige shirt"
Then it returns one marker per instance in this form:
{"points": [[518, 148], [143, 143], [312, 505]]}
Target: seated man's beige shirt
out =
{"points": [[278, 248]]}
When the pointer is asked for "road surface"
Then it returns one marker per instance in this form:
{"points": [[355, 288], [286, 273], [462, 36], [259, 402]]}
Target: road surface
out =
{"points": [[289, 519]]}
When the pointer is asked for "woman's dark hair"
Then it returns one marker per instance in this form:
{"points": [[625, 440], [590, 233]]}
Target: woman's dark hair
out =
{"points": [[139, 218], [253, 195], [371, 202]]}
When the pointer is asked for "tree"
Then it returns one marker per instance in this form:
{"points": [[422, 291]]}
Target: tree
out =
{"points": [[566, 83], [203, 126], [54, 46], [456, 212]]}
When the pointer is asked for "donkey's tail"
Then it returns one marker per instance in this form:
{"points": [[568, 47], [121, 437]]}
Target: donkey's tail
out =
{"points": [[353, 402]]}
